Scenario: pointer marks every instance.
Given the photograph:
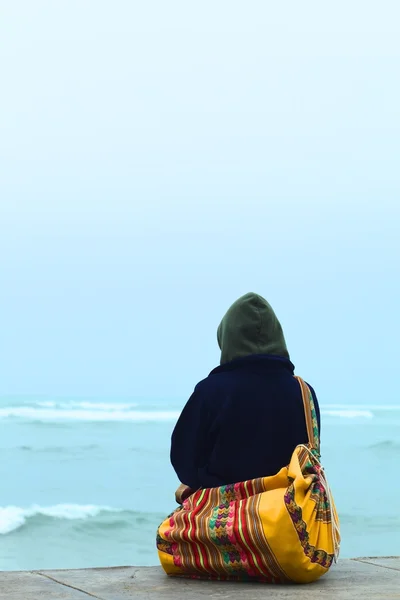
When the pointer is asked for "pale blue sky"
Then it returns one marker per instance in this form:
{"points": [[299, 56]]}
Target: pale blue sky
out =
{"points": [[158, 159]]}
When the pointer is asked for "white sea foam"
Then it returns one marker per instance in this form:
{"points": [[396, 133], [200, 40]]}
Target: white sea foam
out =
{"points": [[88, 405], [55, 414], [14, 517], [55, 411], [368, 407], [348, 413], [101, 405]]}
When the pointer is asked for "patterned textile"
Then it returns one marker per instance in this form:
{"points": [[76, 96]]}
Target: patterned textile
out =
{"points": [[275, 529]]}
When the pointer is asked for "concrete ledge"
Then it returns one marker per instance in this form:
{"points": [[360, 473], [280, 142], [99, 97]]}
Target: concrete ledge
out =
{"points": [[361, 578]]}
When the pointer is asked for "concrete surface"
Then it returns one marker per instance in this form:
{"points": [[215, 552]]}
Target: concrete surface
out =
{"points": [[361, 578]]}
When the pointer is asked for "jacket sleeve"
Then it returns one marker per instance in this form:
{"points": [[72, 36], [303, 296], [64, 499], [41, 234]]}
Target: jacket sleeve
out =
{"points": [[190, 441]]}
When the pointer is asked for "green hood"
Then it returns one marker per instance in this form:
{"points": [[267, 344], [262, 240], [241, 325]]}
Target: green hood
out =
{"points": [[250, 327]]}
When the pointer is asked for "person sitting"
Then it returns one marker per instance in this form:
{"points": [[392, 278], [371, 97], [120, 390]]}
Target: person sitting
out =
{"points": [[246, 418]]}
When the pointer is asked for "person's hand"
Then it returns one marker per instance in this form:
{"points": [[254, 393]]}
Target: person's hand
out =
{"points": [[182, 493]]}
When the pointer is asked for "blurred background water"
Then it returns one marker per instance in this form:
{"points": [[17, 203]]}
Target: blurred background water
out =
{"points": [[86, 482]]}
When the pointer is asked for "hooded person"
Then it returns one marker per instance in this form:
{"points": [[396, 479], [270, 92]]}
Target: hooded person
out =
{"points": [[246, 418]]}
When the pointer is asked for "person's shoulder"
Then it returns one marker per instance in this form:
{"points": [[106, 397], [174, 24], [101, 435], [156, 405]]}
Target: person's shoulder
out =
{"points": [[310, 387], [314, 395], [202, 385], [211, 383], [205, 384]]}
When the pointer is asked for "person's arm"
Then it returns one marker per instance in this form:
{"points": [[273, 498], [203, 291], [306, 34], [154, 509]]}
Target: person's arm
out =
{"points": [[190, 441]]}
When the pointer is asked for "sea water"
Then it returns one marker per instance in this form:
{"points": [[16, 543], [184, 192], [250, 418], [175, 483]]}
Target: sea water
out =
{"points": [[86, 482]]}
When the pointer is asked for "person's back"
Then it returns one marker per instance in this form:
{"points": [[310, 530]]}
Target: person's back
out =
{"points": [[246, 418]]}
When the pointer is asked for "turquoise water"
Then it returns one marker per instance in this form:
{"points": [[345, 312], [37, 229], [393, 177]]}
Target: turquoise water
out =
{"points": [[86, 483]]}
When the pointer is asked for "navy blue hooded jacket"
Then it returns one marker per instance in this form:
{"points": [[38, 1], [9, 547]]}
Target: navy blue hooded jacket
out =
{"points": [[242, 422], [245, 419]]}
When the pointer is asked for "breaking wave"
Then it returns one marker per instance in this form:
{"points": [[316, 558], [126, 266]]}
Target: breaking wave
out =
{"points": [[93, 413], [52, 411], [13, 518]]}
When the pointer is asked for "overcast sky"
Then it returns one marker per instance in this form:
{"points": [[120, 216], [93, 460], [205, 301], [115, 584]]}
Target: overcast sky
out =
{"points": [[159, 159]]}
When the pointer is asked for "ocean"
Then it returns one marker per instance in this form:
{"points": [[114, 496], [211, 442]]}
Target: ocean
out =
{"points": [[86, 482]]}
